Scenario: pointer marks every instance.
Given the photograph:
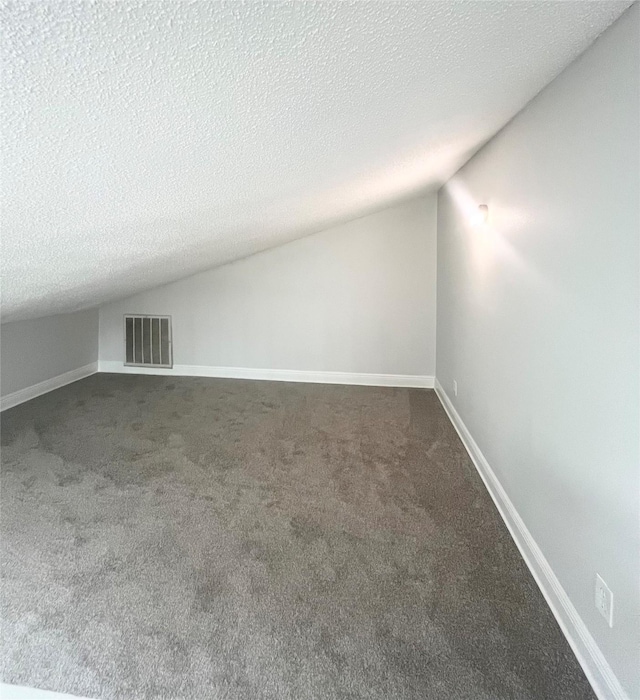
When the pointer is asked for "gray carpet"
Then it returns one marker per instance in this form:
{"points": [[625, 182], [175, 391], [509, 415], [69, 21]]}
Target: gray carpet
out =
{"points": [[200, 538]]}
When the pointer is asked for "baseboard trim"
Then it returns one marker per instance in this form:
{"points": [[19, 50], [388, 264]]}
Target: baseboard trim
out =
{"points": [[20, 692], [31, 392], [276, 375], [598, 671]]}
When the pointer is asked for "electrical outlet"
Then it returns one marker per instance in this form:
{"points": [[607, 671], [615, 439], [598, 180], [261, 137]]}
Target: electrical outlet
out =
{"points": [[604, 600], [455, 387]]}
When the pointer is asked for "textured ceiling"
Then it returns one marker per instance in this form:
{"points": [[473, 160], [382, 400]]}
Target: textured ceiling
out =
{"points": [[145, 140]]}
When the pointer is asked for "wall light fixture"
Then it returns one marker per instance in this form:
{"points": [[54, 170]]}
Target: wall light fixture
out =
{"points": [[481, 216]]}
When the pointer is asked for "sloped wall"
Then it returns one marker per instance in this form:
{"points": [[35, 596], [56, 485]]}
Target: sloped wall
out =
{"points": [[358, 298]]}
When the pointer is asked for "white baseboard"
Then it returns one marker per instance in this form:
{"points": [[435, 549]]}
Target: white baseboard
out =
{"points": [[31, 392], [19, 692], [276, 375], [598, 671]]}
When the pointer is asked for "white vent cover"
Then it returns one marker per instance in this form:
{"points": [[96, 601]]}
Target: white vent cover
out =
{"points": [[147, 341]]}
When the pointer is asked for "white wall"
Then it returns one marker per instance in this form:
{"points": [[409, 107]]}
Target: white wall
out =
{"points": [[538, 323], [357, 298], [36, 350]]}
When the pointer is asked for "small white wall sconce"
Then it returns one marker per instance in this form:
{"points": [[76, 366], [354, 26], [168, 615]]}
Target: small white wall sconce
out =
{"points": [[482, 215]]}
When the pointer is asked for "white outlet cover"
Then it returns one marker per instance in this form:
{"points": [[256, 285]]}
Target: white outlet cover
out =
{"points": [[604, 600]]}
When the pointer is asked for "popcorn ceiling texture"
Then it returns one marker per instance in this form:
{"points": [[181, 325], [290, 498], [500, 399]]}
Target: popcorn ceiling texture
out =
{"points": [[145, 141]]}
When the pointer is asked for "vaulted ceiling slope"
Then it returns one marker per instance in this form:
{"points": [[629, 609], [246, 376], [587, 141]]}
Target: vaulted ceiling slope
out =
{"points": [[145, 140]]}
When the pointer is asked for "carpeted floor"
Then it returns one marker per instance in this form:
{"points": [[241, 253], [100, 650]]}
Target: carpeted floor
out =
{"points": [[223, 539]]}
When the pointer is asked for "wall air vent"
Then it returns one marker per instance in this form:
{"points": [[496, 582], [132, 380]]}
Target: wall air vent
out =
{"points": [[147, 341]]}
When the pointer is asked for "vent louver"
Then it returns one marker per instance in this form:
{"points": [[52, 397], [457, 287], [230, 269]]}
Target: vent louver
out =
{"points": [[147, 341]]}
